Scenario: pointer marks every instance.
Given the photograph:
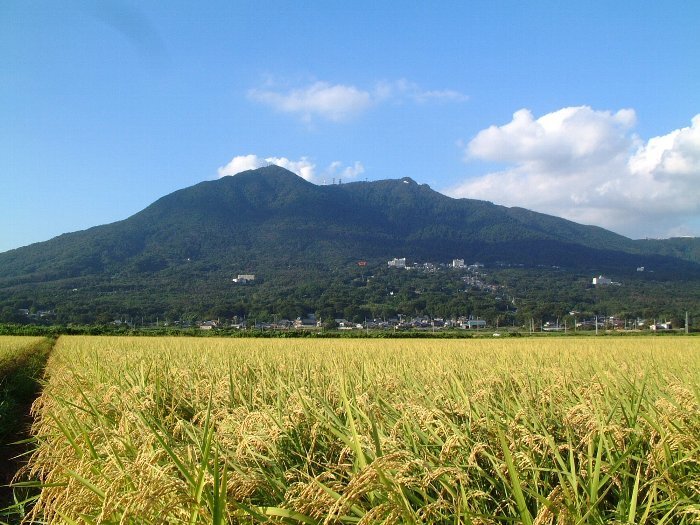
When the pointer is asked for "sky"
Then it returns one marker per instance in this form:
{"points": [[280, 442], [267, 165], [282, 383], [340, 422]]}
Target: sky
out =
{"points": [[584, 110]]}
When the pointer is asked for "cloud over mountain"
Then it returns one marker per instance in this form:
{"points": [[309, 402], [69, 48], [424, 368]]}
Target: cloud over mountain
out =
{"points": [[303, 167], [589, 166]]}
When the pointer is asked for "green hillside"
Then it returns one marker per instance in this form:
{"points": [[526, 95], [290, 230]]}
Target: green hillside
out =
{"points": [[184, 249]]}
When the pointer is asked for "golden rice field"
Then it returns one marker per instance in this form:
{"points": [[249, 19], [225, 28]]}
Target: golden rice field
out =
{"points": [[535, 431]]}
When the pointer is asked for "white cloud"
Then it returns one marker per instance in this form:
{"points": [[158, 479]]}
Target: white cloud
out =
{"points": [[400, 90], [570, 136], [671, 156], [303, 167], [445, 95], [348, 172], [332, 102], [589, 166], [242, 163], [339, 102]]}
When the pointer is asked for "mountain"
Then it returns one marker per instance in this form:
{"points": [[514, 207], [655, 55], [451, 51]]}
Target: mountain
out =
{"points": [[272, 223]]}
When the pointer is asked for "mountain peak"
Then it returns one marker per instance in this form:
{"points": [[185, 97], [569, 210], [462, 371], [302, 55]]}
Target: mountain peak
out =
{"points": [[270, 171]]}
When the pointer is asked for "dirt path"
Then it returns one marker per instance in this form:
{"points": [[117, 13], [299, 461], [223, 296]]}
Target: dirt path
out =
{"points": [[21, 387], [12, 453]]}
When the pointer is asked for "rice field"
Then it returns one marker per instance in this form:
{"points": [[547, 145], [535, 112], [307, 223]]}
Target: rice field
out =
{"points": [[534, 431]]}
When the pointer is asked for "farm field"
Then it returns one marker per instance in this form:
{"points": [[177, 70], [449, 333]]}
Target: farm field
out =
{"points": [[535, 431]]}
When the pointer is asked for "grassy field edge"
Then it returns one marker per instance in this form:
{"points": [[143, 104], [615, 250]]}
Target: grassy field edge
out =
{"points": [[20, 385]]}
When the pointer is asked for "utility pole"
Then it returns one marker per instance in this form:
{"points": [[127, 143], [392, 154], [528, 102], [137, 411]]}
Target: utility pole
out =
{"points": [[686, 322]]}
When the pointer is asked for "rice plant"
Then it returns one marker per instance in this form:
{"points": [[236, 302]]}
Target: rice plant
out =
{"points": [[176, 430]]}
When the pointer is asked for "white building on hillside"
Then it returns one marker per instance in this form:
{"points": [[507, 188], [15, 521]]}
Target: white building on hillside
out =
{"points": [[397, 263], [244, 278], [601, 281]]}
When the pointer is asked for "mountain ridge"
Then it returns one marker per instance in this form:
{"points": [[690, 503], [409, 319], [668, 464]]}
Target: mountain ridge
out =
{"points": [[397, 203], [273, 223], [258, 195]]}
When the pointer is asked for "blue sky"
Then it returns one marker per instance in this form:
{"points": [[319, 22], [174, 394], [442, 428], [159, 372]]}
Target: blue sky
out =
{"points": [[585, 110]]}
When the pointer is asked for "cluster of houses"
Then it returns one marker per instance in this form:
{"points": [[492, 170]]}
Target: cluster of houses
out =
{"points": [[432, 267], [310, 322], [401, 322], [616, 323], [39, 314]]}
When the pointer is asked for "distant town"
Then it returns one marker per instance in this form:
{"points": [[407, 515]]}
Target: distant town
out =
{"points": [[473, 277]]}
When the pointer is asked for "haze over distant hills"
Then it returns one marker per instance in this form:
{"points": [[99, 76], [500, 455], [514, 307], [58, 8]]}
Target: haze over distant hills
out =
{"points": [[278, 226]]}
